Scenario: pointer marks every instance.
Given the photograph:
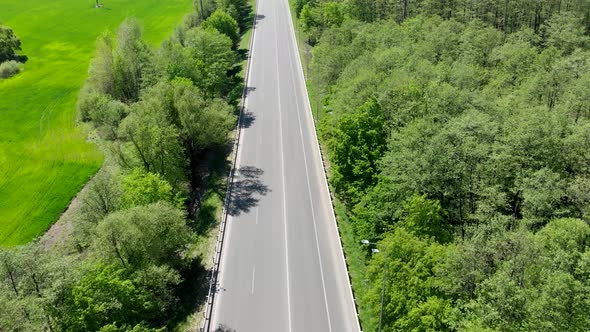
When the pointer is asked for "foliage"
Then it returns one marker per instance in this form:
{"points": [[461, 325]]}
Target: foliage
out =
{"points": [[152, 142], [101, 70], [357, 144], [225, 24], [128, 266], [102, 198], [213, 58], [566, 32], [9, 69], [141, 188], [140, 236], [105, 295], [9, 44], [412, 302], [317, 18], [130, 62], [459, 141]]}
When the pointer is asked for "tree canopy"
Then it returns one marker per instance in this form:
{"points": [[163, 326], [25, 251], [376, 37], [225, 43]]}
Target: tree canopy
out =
{"points": [[9, 44], [128, 261], [457, 137]]}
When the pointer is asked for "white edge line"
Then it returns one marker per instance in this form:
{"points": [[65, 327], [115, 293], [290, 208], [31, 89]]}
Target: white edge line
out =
{"points": [[315, 228], [317, 146], [237, 160], [283, 179], [253, 277]]}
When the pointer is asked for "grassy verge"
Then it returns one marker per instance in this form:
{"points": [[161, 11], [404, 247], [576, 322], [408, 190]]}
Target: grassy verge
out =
{"points": [[44, 157], [212, 203], [354, 252]]}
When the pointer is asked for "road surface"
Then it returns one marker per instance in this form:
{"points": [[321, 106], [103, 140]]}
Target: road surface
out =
{"points": [[282, 267]]}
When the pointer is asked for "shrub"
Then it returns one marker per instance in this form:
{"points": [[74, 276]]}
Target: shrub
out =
{"points": [[9, 68], [91, 103]]}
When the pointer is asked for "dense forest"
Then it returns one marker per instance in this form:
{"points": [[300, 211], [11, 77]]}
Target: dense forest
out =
{"points": [[458, 138], [129, 263]]}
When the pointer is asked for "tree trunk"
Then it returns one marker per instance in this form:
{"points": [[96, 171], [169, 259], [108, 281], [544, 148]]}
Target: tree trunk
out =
{"points": [[117, 252], [12, 281], [505, 23], [404, 10], [37, 290]]}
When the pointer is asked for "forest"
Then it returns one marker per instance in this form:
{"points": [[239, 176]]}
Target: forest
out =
{"points": [[457, 135], [131, 260]]}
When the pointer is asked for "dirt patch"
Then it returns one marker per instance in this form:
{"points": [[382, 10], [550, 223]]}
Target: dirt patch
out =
{"points": [[61, 230]]}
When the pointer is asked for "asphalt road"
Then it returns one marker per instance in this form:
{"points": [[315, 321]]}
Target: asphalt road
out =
{"points": [[282, 267]]}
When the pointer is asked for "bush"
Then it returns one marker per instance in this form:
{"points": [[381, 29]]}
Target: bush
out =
{"points": [[9, 68], [91, 103]]}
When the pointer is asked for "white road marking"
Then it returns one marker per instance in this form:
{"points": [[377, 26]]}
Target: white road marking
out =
{"points": [[315, 229], [222, 261], [283, 175], [322, 170], [253, 277]]}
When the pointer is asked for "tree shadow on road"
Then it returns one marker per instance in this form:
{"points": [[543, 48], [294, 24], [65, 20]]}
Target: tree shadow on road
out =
{"points": [[247, 119], [223, 328], [246, 190]]}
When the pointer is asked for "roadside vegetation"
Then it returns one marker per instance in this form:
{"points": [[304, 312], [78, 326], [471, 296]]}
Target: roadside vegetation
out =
{"points": [[132, 258], [458, 139]]}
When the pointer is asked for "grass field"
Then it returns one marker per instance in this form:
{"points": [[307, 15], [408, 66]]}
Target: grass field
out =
{"points": [[44, 158]]}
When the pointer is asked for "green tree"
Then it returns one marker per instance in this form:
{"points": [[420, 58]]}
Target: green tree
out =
{"points": [[9, 44], [105, 113], [222, 22], [130, 61], [566, 32], [173, 60], [100, 73], [424, 218], [412, 302], [212, 58], [333, 14], [356, 146], [140, 188], [152, 142], [32, 287], [91, 102], [205, 122], [105, 296], [154, 234], [543, 195], [102, 198]]}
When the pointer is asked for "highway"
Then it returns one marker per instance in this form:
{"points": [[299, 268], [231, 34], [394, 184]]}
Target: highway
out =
{"points": [[282, 267]]}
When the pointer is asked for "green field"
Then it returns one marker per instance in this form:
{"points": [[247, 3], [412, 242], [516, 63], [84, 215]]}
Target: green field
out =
{"points": [[44, 158]]}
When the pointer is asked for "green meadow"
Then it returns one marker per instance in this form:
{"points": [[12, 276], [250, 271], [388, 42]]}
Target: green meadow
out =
{"points": [[45, 159]]}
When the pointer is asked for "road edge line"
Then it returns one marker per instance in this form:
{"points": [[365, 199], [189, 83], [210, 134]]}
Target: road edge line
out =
{"points": [[291, 24], [223, 219]]}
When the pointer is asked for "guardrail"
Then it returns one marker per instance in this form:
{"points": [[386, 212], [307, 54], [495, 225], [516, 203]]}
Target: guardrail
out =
{"points": [[223, 219]]}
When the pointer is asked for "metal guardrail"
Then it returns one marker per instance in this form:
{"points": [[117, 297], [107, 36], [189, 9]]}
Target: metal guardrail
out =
{"points": [[223, 219]]}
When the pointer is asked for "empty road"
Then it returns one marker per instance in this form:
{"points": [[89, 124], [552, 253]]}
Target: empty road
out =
{"points": [[281, 267]]}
